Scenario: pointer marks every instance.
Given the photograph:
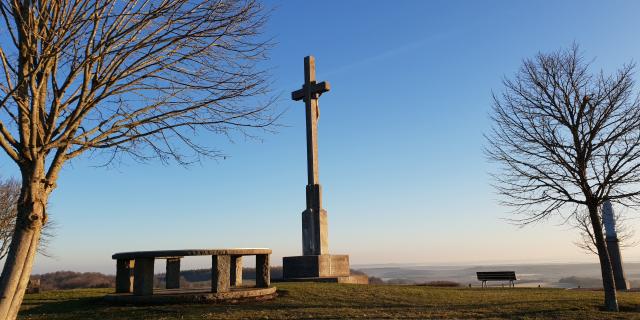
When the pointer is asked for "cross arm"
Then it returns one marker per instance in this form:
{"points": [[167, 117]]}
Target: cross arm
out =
{"points": [[318, 88]]}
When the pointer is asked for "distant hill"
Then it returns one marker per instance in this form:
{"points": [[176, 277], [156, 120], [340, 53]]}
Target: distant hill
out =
{"points": [[61, 280], [585, 275], [199, 275]]}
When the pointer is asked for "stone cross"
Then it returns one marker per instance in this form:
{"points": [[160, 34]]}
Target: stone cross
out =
{"points": [[314, 226], [310, 93], [315, 263]]}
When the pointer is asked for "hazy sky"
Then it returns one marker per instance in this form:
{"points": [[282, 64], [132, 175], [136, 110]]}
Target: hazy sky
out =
{"points": [[400, 143]]}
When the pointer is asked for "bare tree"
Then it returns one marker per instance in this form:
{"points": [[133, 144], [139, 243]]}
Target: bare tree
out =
{"points": [[127, 77], [564, 139], [9, 195], [587, 241]]}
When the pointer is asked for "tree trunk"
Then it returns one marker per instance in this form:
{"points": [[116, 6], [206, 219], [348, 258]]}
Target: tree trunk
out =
{"points": [[610, 297], [24, 244]]}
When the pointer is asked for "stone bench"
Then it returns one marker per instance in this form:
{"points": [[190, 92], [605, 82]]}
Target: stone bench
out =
{"points": [[134, 270]]}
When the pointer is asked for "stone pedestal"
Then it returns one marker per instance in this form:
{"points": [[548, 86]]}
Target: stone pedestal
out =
{"points": [[316, 262], [315, 232], [317, 266], [352, 279]]}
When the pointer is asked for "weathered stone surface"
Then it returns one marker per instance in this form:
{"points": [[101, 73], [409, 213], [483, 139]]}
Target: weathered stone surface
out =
{"points": [[263, 271], [314, 218], [325, 265], [236, 271], [190, 252], [310, 93], [315, 238], [143, 277], [172, 279], [223, 276], [124, 275], [352, 279], [220, 273]]}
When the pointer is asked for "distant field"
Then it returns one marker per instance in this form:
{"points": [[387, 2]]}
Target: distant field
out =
{"points": [[330, 301], [555, 275]]}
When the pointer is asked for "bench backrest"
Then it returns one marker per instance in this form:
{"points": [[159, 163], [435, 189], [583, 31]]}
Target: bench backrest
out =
{"points": [[496, 275]]}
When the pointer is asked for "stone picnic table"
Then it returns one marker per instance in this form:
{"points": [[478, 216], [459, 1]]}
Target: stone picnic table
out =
{"points": [[134, 270]]}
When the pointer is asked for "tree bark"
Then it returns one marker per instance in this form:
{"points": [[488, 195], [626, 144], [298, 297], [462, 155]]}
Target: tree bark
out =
{"points": [[24, 244], [608, 283]]}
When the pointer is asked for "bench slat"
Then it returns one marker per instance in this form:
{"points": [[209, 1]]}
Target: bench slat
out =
{"points": [[496, 275]]}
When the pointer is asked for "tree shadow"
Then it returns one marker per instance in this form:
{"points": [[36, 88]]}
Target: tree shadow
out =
{"points": [[96, 307], [61, 306]]}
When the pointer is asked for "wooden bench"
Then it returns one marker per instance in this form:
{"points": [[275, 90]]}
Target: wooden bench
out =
{"points": [[134, 270], [497, 276]]}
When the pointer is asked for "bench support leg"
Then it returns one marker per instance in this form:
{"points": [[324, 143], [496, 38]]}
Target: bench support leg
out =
{"points": [[220, 273], [173, 273], [236, 271], [263, 271], [143, 277], [124, 276]]}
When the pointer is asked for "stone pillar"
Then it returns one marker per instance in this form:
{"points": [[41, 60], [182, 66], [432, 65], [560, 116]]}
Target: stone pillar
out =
{"points": [[263, 271], [220, 273], [172, 278], [124, 276], [143, 277], [236, 271], [315, 234]]}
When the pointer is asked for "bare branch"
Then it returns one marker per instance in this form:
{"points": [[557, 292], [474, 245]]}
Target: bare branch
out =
{"points": [[564, 137]]}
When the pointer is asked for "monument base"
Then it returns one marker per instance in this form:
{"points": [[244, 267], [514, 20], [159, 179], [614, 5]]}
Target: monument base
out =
{"points": [[315, 266], [320, 268], [352, 279]]}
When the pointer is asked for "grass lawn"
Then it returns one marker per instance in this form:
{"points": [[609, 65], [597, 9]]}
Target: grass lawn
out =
{"points": [[331, 301]]}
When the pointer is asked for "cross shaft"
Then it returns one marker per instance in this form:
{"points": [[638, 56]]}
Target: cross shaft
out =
{"points": [[310, 93]]}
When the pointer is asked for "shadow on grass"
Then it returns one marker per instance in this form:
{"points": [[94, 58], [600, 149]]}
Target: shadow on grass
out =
{"points": [[97, 305], [93, 307], [624, 308], [61, 306]]}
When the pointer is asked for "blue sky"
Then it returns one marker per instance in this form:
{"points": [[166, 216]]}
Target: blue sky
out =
{"points": [[400, 142]]}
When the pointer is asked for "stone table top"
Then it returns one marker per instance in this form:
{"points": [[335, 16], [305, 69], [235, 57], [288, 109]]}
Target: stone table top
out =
{"points": [[190, 252]]}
